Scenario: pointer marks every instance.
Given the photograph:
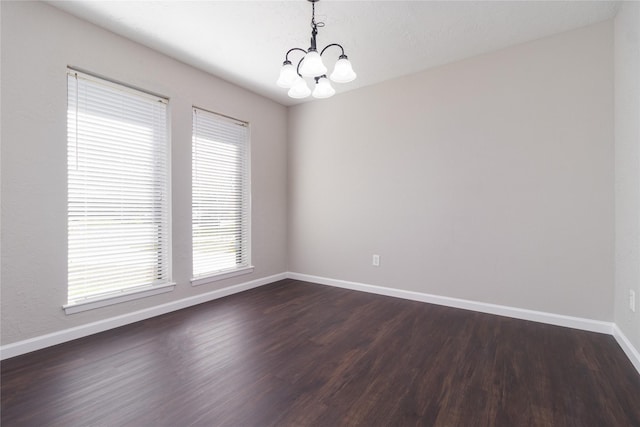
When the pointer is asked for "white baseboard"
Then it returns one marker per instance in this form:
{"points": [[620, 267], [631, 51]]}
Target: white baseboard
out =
{"points": [[37, 343], [608, 328], [500, 310], [627, 347]]}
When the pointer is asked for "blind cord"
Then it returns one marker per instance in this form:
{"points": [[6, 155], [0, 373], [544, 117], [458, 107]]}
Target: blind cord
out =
{"points": [[76, 117]]}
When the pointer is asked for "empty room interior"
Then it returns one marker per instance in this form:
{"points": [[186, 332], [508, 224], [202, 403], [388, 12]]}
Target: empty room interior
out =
{"points": [[320, 213]]}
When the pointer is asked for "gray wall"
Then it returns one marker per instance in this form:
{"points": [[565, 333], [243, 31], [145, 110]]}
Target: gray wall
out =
{"points": [[38, 42], [489, 179], [627, 164]]}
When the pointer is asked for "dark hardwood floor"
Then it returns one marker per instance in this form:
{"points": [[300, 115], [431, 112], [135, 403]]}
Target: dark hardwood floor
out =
{"points": [[299, 354]]}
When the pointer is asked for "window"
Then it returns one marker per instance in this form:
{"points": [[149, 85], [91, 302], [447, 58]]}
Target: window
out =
{"points": [[220, 197], [118, 201]]}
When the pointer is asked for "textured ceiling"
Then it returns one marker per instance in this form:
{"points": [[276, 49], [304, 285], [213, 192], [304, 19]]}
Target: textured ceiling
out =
{"points": [[244, 42]]}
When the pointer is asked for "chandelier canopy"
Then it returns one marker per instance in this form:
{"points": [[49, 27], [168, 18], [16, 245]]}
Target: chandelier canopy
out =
{"points": [[311, 65]]}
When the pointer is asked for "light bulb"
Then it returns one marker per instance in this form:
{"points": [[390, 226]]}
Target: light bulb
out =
{"points": [[323, 88], [343, 73], [288, 75], [312, 65], [299, 89]]}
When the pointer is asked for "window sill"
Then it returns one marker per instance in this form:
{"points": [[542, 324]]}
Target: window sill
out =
{"points": [[90, 304], [221, 275]]}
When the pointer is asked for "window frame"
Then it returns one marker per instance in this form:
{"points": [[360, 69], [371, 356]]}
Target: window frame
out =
{"points": [[163, 239], [246, 267]]}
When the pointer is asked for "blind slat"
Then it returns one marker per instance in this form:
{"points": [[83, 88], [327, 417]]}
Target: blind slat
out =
{"points": [[118, 212], [220, 194]]}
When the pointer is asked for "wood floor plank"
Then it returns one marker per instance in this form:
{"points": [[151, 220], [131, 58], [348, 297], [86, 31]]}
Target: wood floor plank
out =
{"points": [[299, 354]]}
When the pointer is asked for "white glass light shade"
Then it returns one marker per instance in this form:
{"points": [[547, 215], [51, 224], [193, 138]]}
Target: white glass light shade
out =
{"points": [[343, 73], [323, 88], [288, 75], [299, 89], [312, 65]]}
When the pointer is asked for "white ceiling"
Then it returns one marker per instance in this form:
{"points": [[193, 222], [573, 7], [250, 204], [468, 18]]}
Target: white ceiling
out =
{"points": [[244, 42]]}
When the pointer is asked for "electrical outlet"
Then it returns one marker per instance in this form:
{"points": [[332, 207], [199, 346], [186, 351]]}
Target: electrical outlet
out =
{"points": [[376, 260], [632, 300]]}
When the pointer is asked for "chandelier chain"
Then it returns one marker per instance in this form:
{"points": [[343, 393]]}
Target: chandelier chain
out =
{"points": [[315, 24]]}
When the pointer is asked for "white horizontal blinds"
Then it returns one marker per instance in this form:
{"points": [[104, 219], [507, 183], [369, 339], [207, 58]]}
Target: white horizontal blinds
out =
{"points": [[220, 194], [118, 215]]}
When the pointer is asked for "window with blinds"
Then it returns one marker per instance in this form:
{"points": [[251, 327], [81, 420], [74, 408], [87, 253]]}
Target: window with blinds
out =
{"points": [[220, 195], [118, 203]]}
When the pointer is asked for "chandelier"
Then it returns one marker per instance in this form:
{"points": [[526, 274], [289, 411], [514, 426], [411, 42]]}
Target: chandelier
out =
{"points": [[311, 65]]}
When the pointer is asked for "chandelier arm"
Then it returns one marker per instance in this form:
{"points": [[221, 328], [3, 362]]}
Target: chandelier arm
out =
{"points": [[298, 67], [286, 57], [333, 44]]}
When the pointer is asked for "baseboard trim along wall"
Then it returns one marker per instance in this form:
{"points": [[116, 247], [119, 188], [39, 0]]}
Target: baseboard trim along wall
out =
{"points": [[517, 313], [500, 310], [37, 343], [48, 340], [627, 347]]}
